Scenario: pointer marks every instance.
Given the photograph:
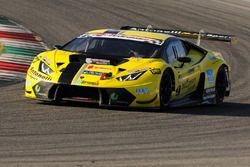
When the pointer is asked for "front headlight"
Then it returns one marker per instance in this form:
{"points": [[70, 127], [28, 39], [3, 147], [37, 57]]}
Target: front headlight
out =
{"points": [[44, 68], [130, 77]]}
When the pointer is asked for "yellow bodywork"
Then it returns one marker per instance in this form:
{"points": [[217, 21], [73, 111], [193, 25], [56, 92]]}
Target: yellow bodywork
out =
{"points": [[145, 89]]}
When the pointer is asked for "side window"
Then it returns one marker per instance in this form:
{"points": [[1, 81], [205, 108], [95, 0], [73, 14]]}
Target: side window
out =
{"points": [[194, 52], [181, 50], [170, 53], [174, 50]]}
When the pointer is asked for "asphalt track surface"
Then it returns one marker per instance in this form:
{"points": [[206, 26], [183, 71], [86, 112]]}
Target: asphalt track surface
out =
{"points": [[35, 134]]}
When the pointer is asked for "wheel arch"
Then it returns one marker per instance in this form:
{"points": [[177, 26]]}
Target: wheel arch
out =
{"points": [[167, 72], [172, 77], [228, 79], [201, 85]]}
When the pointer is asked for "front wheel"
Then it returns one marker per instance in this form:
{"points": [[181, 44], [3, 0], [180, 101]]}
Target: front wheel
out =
{"points": [[221, 85], [165, 89]]}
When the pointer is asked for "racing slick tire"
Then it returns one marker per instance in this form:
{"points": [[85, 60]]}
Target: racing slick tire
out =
{"points": [[165, 89], [221, 85]]}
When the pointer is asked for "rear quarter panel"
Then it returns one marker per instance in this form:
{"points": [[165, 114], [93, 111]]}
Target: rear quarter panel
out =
{"points": [[210, 66]]}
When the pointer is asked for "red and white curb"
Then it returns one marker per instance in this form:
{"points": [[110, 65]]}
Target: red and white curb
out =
{"points": [[18, 47]]}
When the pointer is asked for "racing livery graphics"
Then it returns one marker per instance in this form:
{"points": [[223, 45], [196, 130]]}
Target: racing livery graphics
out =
{"points": [[133, 67]]}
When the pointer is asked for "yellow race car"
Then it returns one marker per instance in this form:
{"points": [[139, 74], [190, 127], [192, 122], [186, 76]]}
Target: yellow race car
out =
{"points": [[132, 66]]}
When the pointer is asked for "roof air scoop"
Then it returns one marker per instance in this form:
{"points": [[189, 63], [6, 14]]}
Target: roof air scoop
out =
{"points": [[149, 27]]}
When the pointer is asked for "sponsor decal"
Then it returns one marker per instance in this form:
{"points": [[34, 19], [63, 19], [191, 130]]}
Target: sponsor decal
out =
{"points": [[32, 77], [35, 73], [90, 66], [125, 37], [142, 91], [87, 82], [209, 93], [97, 61], [210, 76], [98, 67], [92, 73]]}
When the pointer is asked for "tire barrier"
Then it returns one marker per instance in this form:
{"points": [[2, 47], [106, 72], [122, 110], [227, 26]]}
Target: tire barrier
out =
{"points": [[18, 47]]}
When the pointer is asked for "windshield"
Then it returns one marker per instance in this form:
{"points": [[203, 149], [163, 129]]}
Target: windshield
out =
{"points": [[112, 47]]}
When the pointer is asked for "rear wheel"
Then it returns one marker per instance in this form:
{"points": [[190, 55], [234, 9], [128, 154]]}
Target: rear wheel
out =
{"points": [[165, 89], [221, 85]]}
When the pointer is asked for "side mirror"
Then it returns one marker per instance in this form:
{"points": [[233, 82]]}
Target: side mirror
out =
{"points": [[57, 46], [184, 59]]}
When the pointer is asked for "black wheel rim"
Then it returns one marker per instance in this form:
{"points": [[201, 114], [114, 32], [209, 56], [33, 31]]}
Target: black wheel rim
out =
{"points": [[166, 90]]}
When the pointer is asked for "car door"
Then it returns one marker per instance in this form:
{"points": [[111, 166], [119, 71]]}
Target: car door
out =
{"points": [[188, 75]]}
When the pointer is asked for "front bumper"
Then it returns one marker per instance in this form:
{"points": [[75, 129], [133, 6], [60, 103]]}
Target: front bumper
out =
{"points": [[103, 96]]}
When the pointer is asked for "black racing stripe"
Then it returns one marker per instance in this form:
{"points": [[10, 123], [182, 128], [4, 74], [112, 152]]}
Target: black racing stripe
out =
{"points": [[69, 73]]}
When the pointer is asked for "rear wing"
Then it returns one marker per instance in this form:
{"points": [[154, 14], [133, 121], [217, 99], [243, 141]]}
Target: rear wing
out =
{"points": [[187, 34]]}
